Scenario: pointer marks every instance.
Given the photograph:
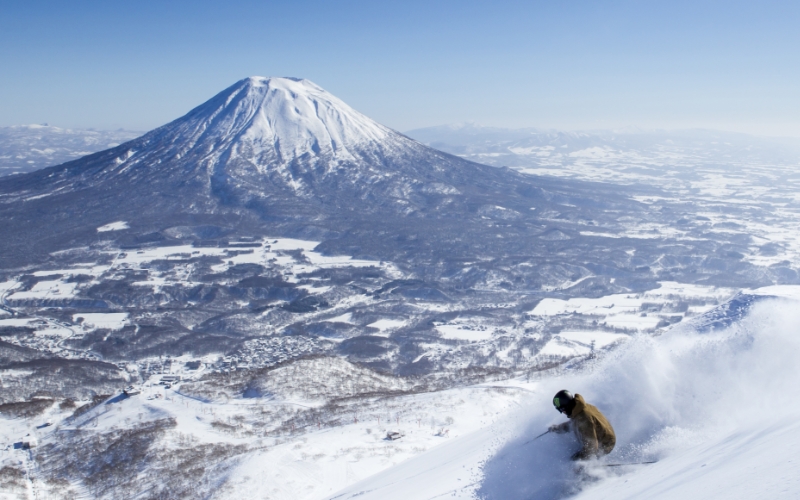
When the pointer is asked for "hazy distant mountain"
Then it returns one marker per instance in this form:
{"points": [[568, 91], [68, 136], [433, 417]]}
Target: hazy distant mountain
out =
{"points": [[25, 148]]}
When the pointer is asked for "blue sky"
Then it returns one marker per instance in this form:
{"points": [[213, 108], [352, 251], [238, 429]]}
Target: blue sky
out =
{"points": [[551, 64]]}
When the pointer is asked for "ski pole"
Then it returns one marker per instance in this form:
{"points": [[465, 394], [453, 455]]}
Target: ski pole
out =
{"points": [[504, 455], [540, 435], [537, 437]]}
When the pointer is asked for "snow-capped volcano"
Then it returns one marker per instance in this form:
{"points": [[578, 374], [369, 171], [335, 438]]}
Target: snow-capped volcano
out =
{"points": [[268, 120], [264, 141], [282, 156], [276, 136]]}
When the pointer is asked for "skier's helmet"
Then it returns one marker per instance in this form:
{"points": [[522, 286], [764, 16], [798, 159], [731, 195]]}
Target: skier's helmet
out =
{"points": [[563, 401]]}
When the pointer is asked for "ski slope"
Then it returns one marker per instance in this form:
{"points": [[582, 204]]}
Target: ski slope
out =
{"points": [[719, 411]]}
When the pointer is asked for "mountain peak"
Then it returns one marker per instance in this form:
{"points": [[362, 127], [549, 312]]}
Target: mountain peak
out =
{"points": [[276, 135], [292, 85], [276, 80], [277, 119]]}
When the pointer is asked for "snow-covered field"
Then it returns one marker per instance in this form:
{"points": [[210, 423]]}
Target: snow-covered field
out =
{"points": [[286, 256], [159, 271], [731, 183]]}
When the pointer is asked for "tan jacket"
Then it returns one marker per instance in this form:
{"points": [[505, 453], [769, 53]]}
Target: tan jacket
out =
{"points": [[592, 429]]}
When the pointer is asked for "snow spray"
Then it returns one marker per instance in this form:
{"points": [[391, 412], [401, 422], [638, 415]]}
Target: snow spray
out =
{"points": [[662, 394]]}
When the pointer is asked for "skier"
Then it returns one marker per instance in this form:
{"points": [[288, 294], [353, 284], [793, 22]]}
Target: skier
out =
{"points": [[589, 425]]}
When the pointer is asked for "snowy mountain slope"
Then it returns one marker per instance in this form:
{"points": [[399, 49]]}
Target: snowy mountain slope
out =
{"points": [[758, 461], [260, 124], [287, 130], [718, 412]]}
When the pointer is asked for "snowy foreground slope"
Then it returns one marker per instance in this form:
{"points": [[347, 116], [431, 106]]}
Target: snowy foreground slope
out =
{"points": [[717, 410]]}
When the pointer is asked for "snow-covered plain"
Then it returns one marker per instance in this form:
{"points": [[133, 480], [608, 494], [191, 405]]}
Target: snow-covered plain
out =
{"points": [[112, 321], [717, 411], [273, 252], [66, 284], [586, 322]]}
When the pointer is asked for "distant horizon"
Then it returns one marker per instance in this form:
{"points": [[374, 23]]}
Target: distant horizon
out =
{"points": [[632, 130]]}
